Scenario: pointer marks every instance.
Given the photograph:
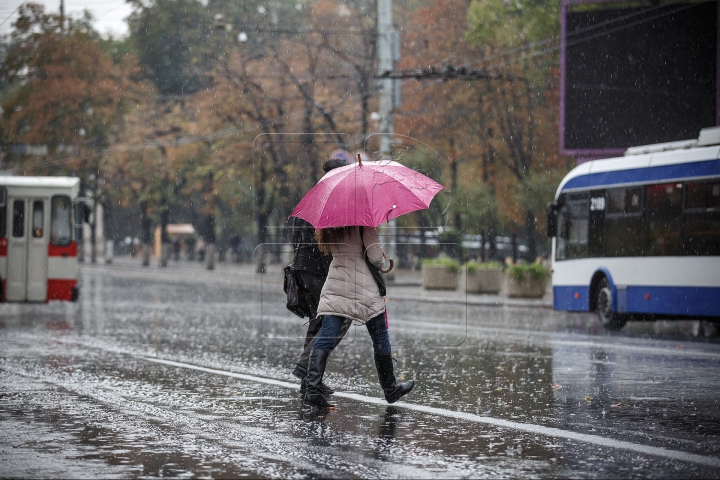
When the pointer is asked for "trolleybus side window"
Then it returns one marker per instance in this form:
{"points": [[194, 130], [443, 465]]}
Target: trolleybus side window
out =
{"points": [[3, 211], [623, 222], [702, 218], [573, 227], [38, 218], [664, 219], [61, 220], [18, 218]]}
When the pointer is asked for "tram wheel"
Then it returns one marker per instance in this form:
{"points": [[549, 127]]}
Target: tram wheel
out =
{"points": [[609, 319]]}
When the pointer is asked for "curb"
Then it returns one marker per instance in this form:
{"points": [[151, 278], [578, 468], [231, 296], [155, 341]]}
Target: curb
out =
{"points": [[475, 301], [246, 282]]}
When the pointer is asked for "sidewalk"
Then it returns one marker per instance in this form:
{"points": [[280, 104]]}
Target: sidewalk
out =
{"points": [[407, 284]]}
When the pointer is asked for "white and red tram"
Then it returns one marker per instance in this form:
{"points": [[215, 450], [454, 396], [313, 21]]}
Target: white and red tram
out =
{"points": [[38, 251]]}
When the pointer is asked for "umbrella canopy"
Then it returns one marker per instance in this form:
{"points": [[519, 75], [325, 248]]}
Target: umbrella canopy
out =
{"points": [[367, 194]]}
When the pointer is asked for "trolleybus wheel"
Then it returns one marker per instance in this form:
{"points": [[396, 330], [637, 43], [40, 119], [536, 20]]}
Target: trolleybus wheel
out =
{"points": [[609, 319]]}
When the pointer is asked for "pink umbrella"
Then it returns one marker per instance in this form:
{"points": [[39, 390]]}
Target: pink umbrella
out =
{"points": [[366, 194]]}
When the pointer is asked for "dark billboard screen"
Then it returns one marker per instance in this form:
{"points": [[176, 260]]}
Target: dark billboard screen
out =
{"points": [[634, 76]]}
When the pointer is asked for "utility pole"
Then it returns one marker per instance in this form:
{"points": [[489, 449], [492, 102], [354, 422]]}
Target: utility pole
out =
{"points": [[386, 47], [62, 17], [387, 53]]}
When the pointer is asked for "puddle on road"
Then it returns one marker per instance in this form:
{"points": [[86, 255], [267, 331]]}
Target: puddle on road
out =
{"points": [[149, 419]]}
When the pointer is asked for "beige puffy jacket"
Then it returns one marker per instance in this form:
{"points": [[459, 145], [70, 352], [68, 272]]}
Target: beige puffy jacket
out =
{"points": [[350, 290]]}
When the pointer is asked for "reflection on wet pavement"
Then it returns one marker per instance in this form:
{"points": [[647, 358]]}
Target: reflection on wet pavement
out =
{"points": [[83, 396]]}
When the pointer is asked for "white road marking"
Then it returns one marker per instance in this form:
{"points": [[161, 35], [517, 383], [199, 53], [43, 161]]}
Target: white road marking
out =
{"points": [[469, 417]]}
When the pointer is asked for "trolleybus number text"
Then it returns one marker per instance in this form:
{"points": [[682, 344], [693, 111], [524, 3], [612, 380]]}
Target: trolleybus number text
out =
{"points": [[597, 203]]}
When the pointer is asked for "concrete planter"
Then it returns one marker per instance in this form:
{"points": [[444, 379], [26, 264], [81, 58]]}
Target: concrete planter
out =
{"points": [[439, 277], [528, 287], [484, 280]]}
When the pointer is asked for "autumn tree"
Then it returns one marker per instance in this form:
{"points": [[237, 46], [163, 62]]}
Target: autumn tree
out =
{"points": [[69, 92], [271, 84], [69, 96], [284, 82], [445, 113], [520, 111], [170, 39]]}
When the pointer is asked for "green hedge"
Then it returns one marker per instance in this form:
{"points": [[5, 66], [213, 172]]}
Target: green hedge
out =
{"points": [[450, 263], [534, 270], [472, 267]]}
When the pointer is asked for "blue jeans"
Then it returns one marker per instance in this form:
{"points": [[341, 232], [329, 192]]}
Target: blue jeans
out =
{"points": [[331, 329]]}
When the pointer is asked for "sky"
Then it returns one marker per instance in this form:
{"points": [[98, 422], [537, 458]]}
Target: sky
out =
{"points": [[109, 15]]}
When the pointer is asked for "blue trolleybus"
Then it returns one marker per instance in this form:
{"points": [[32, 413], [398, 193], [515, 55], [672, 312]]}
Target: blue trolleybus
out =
{"points": [[638, 237]]}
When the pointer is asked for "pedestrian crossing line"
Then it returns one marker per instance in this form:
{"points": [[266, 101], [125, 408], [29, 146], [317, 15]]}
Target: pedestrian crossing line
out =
{"points": [[469, 417]]}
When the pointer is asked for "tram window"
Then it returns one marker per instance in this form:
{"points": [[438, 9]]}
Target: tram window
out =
{"points": [[624, 201], [578, 229], [19, 218], [696, 195], [702, 195], [702, 234], [61, 220], [38, 219], [623, 222], [664, 219], [573, 228], [702, 218], [634, 200], [615, 200]]}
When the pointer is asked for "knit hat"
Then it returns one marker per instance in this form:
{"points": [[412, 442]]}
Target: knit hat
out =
{"points": [[334, 163]]}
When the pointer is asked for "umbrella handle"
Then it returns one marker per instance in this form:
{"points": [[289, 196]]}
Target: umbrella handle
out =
{"points": [[389, 268]]}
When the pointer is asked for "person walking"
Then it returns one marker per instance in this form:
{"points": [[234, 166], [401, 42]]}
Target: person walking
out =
{"points": [[311, 268], [351, 293]]}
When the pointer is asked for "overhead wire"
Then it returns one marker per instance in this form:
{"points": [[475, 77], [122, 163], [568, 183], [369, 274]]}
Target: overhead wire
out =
{"points": [[551, 39], [598, 35], [13, 13], [557, 46]]}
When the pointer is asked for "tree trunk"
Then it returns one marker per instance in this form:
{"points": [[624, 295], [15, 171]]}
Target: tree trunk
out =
{"points": [[109, 230], [492, 251], [483, 236], [209, 234], [262, 209], [530, 232], [455, 186], [145, 234], [164, 240], [262, 238], [513, 240], [93, 230]]}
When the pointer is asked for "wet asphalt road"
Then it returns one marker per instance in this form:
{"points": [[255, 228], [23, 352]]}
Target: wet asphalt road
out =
{"points": [[163, 376]]}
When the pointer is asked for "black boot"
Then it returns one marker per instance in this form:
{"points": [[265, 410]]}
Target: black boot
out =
{"points": [[324, 388], [316, 370], [299, 372], [386, 374], [302, 375]]}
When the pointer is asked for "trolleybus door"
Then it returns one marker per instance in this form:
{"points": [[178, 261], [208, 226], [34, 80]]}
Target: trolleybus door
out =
{"points": [[37, 251], [27, 250], [15, 284]]}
